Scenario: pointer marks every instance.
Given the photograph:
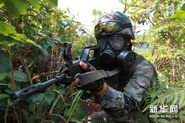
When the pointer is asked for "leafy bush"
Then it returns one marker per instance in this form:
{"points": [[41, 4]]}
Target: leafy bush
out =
{"points": [[163, 45], [31, 36]]}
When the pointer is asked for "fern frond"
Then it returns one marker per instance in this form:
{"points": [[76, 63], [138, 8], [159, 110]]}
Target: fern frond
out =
{"points": [[181, 101], [177, 96]]}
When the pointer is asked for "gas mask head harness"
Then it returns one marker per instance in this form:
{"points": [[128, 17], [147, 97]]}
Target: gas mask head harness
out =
{"points": [[113, 46]]}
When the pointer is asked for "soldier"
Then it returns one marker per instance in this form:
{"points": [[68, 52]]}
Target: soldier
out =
{"points": [[121, 94]]}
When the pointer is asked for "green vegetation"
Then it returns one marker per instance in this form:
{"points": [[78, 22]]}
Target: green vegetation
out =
{"points": [[31, 36], [163, 44]]}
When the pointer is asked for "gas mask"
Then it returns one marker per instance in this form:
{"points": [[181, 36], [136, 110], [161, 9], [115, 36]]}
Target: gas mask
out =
{"points": [[114, 50]]}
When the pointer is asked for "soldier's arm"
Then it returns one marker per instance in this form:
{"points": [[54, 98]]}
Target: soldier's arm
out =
{"points": [[117, 103]]}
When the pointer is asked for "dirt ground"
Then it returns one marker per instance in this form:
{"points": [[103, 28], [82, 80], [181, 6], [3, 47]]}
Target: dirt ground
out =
{"points": [[91, 107]]}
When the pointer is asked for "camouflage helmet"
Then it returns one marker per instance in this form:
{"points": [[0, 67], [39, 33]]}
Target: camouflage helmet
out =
{"points": [[123, 26]]}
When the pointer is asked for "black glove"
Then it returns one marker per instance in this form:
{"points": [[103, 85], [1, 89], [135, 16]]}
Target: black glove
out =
{"points": [[93, 87]]}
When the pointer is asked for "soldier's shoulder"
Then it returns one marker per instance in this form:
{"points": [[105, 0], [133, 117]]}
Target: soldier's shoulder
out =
{"points": [[141, 61], [143, 65]]}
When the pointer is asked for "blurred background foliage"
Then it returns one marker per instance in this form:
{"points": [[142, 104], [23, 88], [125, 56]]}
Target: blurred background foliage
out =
{"points": [[31, 36], [163, 45]]}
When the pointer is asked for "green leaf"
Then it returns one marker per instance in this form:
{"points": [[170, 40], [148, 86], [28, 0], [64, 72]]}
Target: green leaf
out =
{"points": [[176, 97], [174, 121], [76, 121], [59, 40], [29, 118], [182, 112], [35, 3], [51, 43], [37, 98], [44, 51], [179, 12], [6, 29], [183, 7], [3, 75], [2, 96], [45, 45], [155, 94], [181, 100], [163, 121], [6, 41], [78, 114], [8, 91], [48, 97], [17, 86], [182, 117], [2, 84], [22, 38], [15, 7], [1, 4], [183, 16], [5, 63], [19, 76], [52, 2], [58, 115]]}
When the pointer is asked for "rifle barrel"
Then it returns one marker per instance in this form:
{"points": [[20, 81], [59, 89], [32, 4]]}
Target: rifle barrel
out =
{"points": [[36, 88]]}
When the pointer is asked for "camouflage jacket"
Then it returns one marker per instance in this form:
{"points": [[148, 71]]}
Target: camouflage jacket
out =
{"points": [[122, 99]]}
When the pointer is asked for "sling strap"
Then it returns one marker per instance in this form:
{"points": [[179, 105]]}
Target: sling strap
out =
{"points": [[92, 76]]}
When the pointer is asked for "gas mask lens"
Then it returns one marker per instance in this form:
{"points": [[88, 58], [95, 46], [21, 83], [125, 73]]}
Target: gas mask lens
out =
{"points": [[116, 42], [109, 27]]}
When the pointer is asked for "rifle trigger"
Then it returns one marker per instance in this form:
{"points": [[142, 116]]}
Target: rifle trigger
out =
{"points": [[76, 76]]}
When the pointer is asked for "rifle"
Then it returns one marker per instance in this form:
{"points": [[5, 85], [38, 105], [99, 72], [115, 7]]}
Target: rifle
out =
{"points": [[67, 74]]}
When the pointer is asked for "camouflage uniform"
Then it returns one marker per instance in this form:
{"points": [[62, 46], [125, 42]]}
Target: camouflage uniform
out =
{"points": [[120, 102], [125, 90]]}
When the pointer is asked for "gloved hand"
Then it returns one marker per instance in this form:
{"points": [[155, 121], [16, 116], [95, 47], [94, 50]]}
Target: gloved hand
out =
{"points": [[93, 87]]}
